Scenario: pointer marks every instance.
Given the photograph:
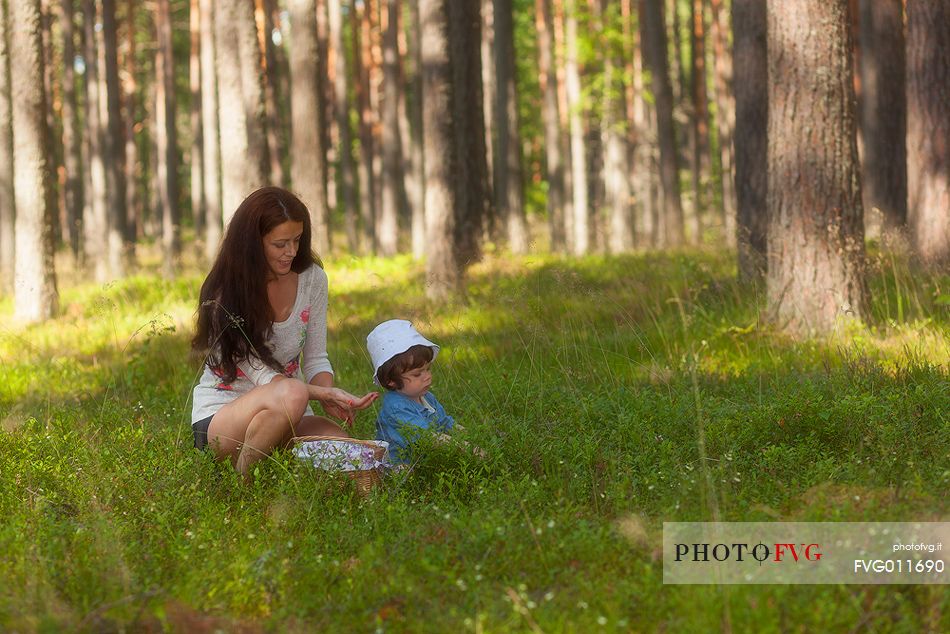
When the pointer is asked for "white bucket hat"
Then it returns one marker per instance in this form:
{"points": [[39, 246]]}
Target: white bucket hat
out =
{"points": [[391, 338]]}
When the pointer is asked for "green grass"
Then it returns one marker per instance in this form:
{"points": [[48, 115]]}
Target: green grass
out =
{"points": [[587, 381]]}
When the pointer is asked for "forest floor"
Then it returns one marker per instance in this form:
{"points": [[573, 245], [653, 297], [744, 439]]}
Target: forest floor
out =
{"points": [[586, 381]]}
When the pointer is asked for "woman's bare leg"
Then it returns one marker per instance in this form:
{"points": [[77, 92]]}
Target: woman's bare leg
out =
{"points": [[319, 426], [252, 426]]}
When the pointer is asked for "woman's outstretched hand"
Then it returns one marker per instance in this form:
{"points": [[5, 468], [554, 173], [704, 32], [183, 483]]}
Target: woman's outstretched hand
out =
{"points": [[341, 404]]}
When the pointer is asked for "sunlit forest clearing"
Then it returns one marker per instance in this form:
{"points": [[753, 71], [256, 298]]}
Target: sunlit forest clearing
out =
{"points": [[587, 382]]}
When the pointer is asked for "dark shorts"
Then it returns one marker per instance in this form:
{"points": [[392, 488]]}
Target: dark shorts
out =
{"points": [[200, 430]]}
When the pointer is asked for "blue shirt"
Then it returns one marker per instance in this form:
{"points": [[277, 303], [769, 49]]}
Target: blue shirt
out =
{"points": [[399, 411]]}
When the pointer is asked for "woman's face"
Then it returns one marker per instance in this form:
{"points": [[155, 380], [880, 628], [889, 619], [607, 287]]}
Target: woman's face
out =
{"points": [[280, 246]]}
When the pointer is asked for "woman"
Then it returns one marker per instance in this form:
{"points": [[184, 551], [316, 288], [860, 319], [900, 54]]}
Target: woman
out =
{"points": [[263, 304]]}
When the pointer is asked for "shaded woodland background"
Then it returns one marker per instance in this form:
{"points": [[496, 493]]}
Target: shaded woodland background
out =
{"points": [[789, 131]]}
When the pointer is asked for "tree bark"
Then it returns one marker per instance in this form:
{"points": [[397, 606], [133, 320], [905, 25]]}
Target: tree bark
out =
{"points": [[72, 156], [700, 116], [671, 219], [387, 229], [211, 151], [489, 87], [579, 238], [751, 140], [508, 182], [928, 128], [115, 143], [359, 23], [553, 139], [725, 117], [244, 156], [644, 171], [815, 230], [417, 157], [196, 161], [307, 149], [133, 177], [341, 111], [617, 169], [272, 126], [166, 139], [7, 197], [36, 296], [95, 218]]}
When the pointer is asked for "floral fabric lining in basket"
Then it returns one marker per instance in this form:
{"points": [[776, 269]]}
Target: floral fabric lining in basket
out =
{"points": [[363, 460]]}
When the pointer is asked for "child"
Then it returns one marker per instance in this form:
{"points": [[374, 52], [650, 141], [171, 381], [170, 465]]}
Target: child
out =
{"points": [[402, 360]]}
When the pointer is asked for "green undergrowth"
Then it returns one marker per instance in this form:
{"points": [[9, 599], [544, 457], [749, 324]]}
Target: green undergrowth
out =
{"points": [[585, 381]]}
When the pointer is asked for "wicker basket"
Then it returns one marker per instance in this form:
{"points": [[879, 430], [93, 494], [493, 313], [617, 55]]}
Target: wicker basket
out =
{"points": [[365, 479]]}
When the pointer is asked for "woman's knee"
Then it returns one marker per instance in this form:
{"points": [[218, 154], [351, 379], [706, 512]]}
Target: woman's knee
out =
{"points": [[292, 398]]}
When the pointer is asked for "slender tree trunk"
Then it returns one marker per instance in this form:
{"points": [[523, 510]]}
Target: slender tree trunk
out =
{"points": [[36, 297], [326, 103], [700, 127], [417, 157], [211, 151], [725, 117], [560, 65], [443, 268], [474, 204], [655, 53], [115, 144], [392, 181], [508, 185], [643, 165], [359, 18], [928, 128], [166, 139], [272, 126], [196, 161], [816, 230], [752, 110], [580, 240], [7, 196], [307, 149], [244, 155], [131, 96], [553, 142], [72, 155], [489, 88], [95, 222], [883, 112], [342, 112], [617, 188]]}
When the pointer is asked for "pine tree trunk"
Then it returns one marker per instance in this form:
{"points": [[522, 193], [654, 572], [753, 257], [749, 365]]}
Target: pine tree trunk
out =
{"points": [[474, 204], [72, 159], [392, 181], [928, 128], [35, 291], [114, 148], [560, 74], [307, 151], [341, 111], [815, 230], [489, 91], [325, 84], [95, 219], [133, 199], [617, 187], [579, 239], [196, 162], [244, 155], [417, 157], [508, 185], [725, 118], [211, 151], [166, 139], [272, 126], [360, 29], [7, 199], [700, 116], [553, 141], [443, 268], [751, 137], [655, 57], [883, 112], [54, 116]]}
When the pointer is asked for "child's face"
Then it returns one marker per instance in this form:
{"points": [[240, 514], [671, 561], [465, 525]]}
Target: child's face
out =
{"points": [[416, 382]]}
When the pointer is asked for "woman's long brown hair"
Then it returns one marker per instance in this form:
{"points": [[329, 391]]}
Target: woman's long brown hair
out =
{"points": [[234, 316]]}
